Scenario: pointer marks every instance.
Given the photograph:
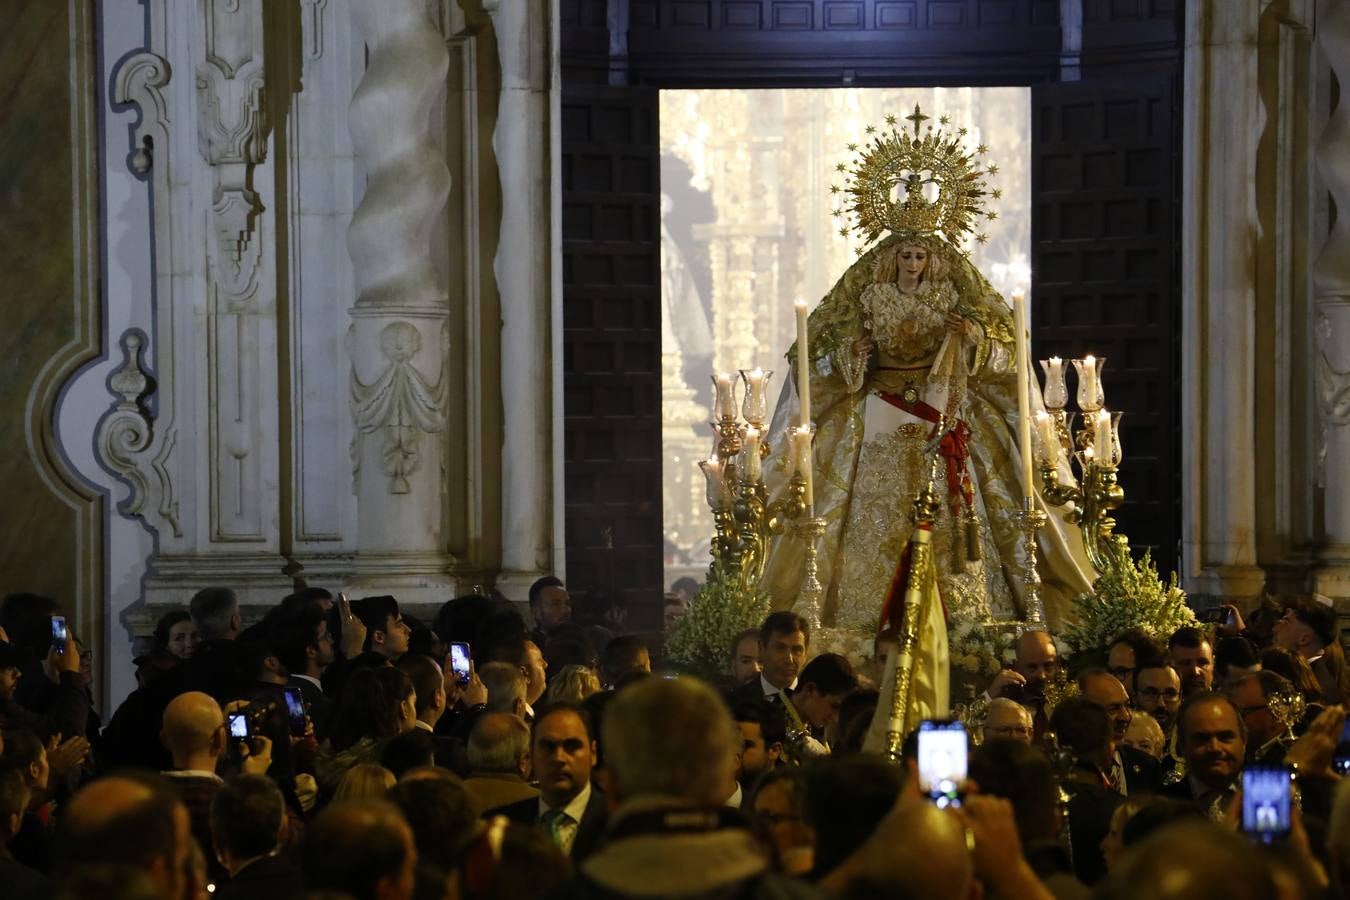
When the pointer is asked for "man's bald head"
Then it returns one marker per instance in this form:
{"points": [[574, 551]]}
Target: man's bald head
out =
{"points": [[132, 821], [1192, 861], [1037, 658], [191, 721]]}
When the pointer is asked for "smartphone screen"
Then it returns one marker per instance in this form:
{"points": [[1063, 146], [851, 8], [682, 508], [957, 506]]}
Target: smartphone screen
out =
{"points": [[942, 760], [59, 633], [1340, 760], [459, 661], [238, 723], [295, 709], [1212, 616], [1266, 802]]}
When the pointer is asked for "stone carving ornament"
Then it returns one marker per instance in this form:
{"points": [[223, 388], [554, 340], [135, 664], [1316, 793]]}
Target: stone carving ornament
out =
{"points": [[401, 403]]}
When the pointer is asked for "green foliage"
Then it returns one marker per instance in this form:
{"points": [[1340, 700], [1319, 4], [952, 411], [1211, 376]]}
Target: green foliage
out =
{"points": [[701, 642], [1130, 595]]}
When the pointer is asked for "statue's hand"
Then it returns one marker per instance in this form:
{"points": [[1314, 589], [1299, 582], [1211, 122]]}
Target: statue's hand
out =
{"points": [[955, 323], [863, 347]]}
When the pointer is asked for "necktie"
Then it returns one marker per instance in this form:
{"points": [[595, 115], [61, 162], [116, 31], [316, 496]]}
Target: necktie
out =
{"points": [[552, 821]]}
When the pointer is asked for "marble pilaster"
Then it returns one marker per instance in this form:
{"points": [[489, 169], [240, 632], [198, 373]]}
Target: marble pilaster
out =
{"points": [[526, 143]]}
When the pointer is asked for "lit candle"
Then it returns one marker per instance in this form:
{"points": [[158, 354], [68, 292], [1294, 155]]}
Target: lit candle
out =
{"points": [[724, 402], [1101, 439], [1045, 430], [1089, 390], [714, 470], [803, 368], [801, 445], [750, 462], [1056, 394], [1023, 391], [756, 403]]}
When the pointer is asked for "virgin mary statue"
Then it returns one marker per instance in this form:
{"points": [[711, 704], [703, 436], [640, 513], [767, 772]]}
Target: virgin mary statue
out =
{"points": [[912, 371]]}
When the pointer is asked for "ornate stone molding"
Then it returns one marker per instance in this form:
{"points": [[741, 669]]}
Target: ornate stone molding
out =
{"points": [[401, 403], [125, 436], [141, 80], [232, 134]]}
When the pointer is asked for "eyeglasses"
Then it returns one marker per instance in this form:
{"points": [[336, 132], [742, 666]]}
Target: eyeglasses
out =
{"points": [[1010, 731], [1155, 694]]}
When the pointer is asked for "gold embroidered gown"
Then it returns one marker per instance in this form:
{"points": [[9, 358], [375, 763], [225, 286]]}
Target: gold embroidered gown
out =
{"points": [[873, 425]]}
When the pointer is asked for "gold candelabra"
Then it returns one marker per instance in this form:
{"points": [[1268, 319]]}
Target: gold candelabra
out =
{"points": [[1096, 451], [743, 518]]}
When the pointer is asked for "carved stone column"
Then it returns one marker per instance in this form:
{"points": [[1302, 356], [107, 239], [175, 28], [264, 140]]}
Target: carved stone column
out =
{"points": [[1331, 281], [525, 141], [1223, 119], [397, 339], [193, 428]]}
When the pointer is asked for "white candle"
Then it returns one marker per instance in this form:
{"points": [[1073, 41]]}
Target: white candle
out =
{"points": [[756, 404], [724, 402], [1101, 439], [1056, 395], [1117, 451], [1049, 438], [1023, 391], [750, 462], [801, 446], [1088, 401], [715, 472], [803, 368]]}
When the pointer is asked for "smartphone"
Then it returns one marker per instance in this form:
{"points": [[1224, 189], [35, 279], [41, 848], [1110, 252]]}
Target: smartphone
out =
{"points": [[59, 634], [295, 709], [238, 725], [1340, 759], [1218, 615], [943, 751], [1266, 802], [459, 661]]}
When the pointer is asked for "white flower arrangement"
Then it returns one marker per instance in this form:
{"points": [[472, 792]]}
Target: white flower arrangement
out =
{"points": [[701, 642], [1130, 595]]}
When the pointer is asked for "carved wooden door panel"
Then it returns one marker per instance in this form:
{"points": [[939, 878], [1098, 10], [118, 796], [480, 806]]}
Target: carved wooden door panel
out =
{"points": [[612, 347], [1104, 270]]}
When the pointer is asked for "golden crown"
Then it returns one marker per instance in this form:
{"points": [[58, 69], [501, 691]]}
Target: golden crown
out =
{"points": [[923, 183]]}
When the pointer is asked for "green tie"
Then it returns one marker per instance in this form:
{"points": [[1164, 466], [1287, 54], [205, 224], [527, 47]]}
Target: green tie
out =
{"points": [[552, 822]]}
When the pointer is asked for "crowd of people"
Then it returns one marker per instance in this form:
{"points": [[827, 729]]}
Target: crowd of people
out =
{"points": [[339, 749]]}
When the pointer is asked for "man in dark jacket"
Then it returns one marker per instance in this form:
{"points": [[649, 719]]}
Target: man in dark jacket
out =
{"points": [[248, 819]]}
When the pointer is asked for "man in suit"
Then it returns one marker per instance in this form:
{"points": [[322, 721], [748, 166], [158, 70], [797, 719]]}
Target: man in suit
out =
{"points": [[306, 648], [569, 808], [1131, 771], [248, 821], [429, 682], [783, 641], [499, 761], [1251, 695], [1212, 739]]}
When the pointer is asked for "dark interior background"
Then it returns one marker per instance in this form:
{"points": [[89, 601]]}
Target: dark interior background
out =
{"points": [[1105, 204]]}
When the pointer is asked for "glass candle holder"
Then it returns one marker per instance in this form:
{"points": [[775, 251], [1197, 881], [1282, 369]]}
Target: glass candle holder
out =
{"points": [[724, 398], [1090, 395], [1056, 393], [755, 406]]}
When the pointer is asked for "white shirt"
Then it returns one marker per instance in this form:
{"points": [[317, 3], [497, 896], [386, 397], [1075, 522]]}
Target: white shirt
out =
{"points": [[736, 799], [770, 690], [313, 681], [418, 723], [574, 810], [193, 773]]}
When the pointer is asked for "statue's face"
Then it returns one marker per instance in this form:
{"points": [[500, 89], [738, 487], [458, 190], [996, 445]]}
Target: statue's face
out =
{"points": [[913, 261]]}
